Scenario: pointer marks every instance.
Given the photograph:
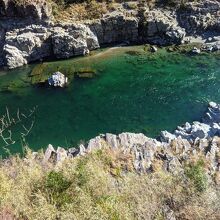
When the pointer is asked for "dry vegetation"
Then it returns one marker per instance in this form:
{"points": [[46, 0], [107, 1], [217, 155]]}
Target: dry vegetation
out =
{"points": [[77, 10], [102, 185]]}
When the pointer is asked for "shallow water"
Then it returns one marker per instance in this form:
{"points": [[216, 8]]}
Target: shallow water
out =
{"points": [[133, 91]]}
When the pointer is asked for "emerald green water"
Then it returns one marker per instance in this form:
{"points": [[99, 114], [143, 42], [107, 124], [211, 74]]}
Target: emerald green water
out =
{"points": [[135, 92]]}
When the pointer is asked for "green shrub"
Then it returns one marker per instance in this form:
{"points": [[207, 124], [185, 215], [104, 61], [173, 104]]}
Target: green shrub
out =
{"points": [[82, 173], [56, 186], [196, 174]]}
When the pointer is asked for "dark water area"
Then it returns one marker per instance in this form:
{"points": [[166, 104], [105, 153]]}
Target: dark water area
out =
{"points": [[133, 91]]}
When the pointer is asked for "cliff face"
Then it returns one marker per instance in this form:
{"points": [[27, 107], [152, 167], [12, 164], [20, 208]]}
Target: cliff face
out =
{"points": [[39, 10], [27, 34]]}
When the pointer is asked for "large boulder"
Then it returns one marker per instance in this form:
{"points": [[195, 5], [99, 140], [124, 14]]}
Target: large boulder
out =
{"points": [[200, 16], [27, 44], [57, 80], [14, 57], [161, 27], [115, 28], [73, 40]]}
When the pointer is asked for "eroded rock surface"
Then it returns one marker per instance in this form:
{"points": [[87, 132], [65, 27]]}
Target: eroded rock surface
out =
{"points": [[39, 10], [73, 40], [200, 16]]}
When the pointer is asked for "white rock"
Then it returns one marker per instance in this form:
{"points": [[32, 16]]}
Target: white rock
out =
{"points": [[57, 80], [196, 50], [61, 154], [49, 153], [111, 139]]}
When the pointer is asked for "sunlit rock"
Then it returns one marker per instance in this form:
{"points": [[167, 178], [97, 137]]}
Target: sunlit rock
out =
{"points": [[57, 80]]}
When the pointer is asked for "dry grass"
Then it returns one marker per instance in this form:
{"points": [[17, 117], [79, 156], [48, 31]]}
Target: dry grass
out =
{"points": [[81, 11], [102, 185]]}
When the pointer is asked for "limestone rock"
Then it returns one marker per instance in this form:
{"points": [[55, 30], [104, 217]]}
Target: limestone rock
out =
{"points": [[200, 16], [26, 44], [95, 144], [82, 150], [161, 28], [13, 57], [61, 154], [57, 80], [213, 113], [115, 28], [130, 139], [166, 136], [49, 153], [39, 10], [73, 41], [112, 140], [195, 50]]}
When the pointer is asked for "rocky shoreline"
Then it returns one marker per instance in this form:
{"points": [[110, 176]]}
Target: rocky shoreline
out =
{"points": [[34, 37], [171, 151]]}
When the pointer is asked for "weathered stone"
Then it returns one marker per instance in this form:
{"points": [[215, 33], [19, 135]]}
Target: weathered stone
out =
{"points": [[95, 144], [174, 166], [49, 153], [82, 150], [76, 40], [39, 10], [61, 154], [115, 28], [57, 80], [13, 57], [160, 27], [213, 114], [195, 50], [131, 139], [200, 16], [166, 136], [111, 140], [27, 44]]}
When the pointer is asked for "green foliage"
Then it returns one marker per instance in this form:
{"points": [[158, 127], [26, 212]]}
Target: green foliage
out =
{"points": [[197, 175], [56, 186], [82, 173]]}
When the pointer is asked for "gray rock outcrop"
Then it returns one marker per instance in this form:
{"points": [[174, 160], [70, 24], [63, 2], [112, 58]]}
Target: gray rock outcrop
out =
{"points": [[39, 10], [200, 16], [208, 128], [26, 45], [161, 27], [115, 28], [37, 42], [73, 40]]}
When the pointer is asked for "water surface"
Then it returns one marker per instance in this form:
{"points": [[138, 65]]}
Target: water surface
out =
{"points": [[133, 91]]}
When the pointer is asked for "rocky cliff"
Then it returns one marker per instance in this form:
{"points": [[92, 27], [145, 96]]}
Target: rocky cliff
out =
{"points": [[27, 33]]}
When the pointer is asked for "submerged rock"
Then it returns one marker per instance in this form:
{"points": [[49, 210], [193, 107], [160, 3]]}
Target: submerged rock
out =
{"points": [[57, 80], [195, 50], [153, 49]]}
